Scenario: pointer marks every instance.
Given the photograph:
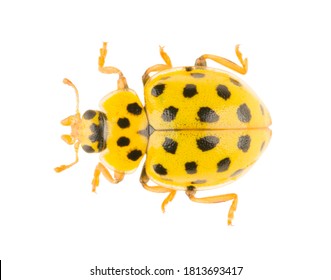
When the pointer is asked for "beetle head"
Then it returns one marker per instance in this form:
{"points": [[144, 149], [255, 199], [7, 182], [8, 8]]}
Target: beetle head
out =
{"points": [[87, 131]]}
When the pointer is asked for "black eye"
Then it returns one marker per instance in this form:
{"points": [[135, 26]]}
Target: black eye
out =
{"points": [[88, 149], [89, 114]]}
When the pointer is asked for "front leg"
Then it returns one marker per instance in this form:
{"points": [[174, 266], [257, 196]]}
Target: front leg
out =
{"points": [[100, 168], [121, 82]]}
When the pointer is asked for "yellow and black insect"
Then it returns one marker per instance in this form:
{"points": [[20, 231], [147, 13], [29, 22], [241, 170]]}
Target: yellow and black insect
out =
{"points": [[200, 128]]}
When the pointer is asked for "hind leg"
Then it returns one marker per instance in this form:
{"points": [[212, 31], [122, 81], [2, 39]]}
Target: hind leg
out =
{"points": [[201, 61], [216, 199]]}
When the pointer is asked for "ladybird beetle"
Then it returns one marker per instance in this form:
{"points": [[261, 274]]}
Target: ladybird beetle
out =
{"points": [[200, 128]]}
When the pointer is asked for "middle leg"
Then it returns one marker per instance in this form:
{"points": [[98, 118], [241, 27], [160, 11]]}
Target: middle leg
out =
{"points": [[158, 67], [158, 189]]}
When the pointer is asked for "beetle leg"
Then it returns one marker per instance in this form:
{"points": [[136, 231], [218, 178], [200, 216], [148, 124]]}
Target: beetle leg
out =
{"points": [[165, 57], [201, 61], [68, 139], [100, 168], [154, 68], [158, 189], [216, 199], [121, 83], [158, 67]]}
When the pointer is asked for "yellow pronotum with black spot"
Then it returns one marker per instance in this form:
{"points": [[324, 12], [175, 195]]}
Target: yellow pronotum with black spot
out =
{"points": [[200, 128]]}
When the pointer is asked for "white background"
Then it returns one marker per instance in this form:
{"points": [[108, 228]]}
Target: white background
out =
{"points": [[53, 227]]}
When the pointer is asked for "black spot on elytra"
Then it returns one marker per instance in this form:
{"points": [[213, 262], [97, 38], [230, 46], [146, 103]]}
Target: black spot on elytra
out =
{"points": [[89, 114], [235, 82], [208, 115], [88, 149], [188, 68], [134, 155], [244, 143], [123, 141], [169, 114], [134, 108], [223, 165], [223, 92], [158, 90], [123, 122], [170, 145], [243, 113], [190, 90], [159, 169], [239, 171], [197, 75], [207, 143], [191, 167]]}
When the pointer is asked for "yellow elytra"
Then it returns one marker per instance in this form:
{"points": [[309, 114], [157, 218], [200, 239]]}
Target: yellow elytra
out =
{"points": [[200, 128]]}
